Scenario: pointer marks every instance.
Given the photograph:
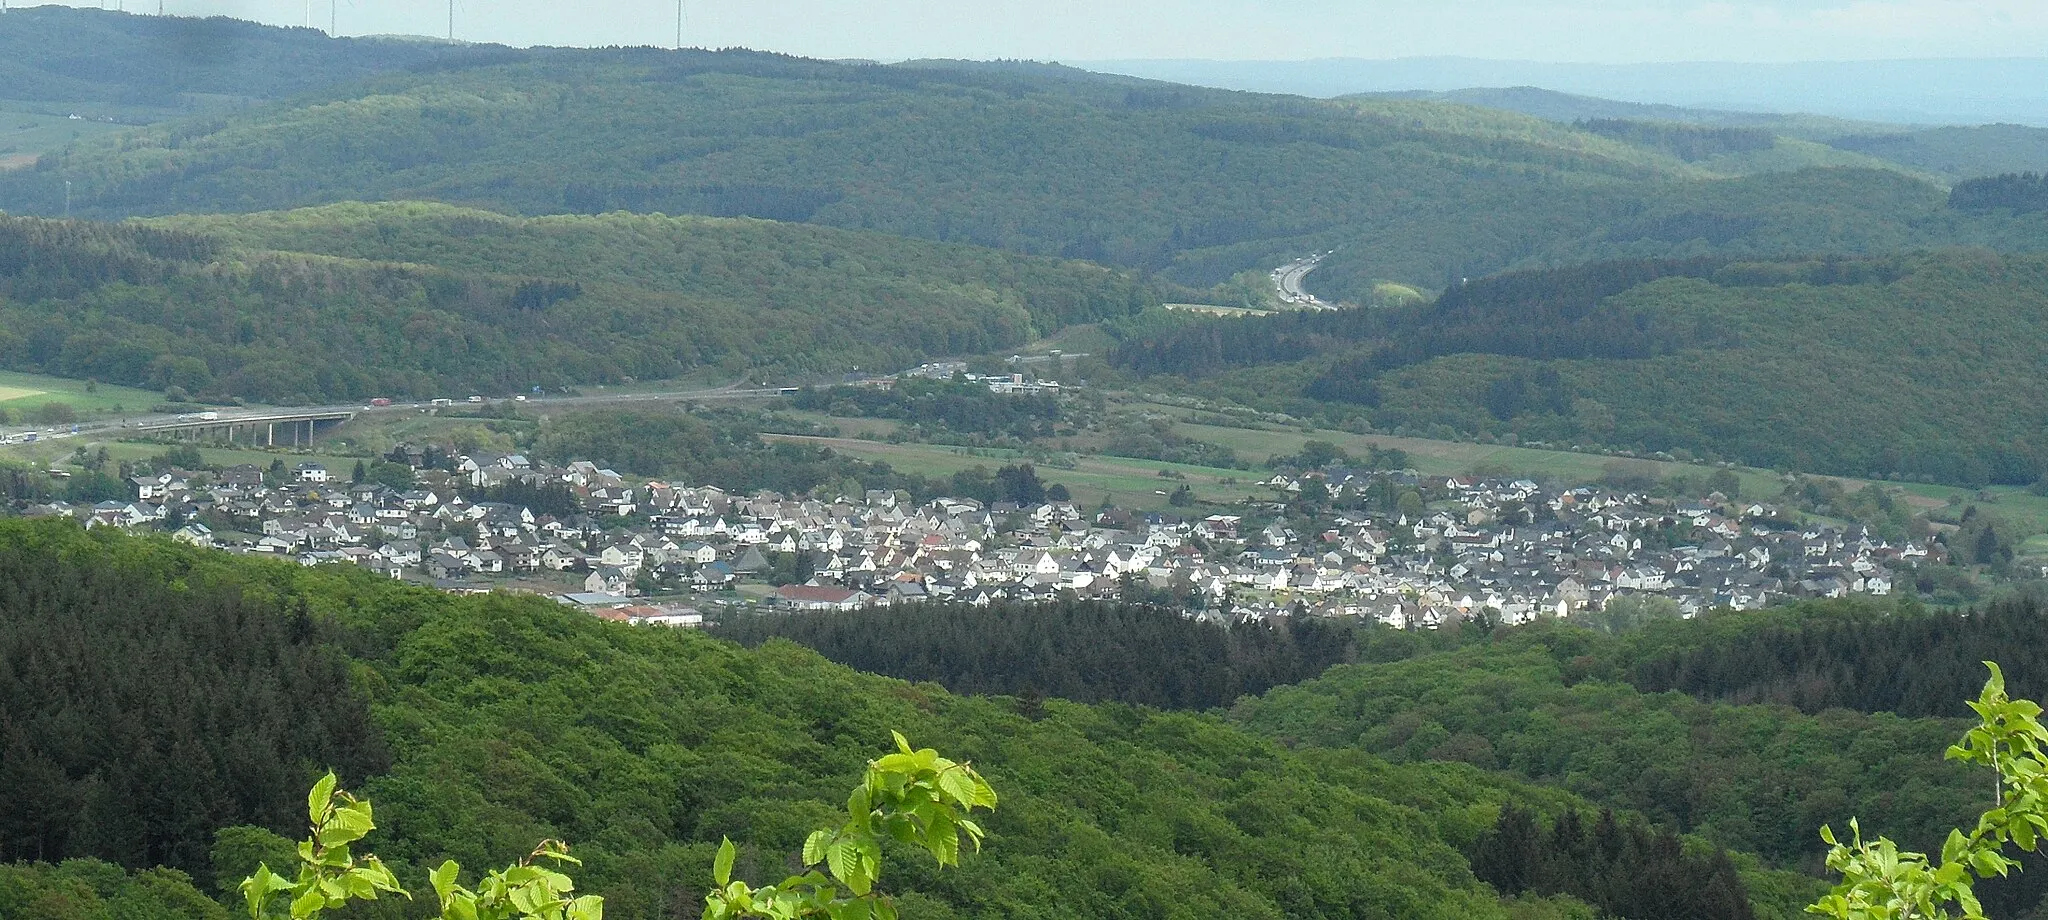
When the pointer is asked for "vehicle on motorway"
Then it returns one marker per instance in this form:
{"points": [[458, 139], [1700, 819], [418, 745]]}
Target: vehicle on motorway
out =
{"points": [[380, 402], [444, 402], [209, 416], [476, 399]]}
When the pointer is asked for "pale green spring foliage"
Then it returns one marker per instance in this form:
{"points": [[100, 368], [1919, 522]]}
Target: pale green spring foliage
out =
{"points": [[331, 876], [915, 797], [1879, 882]]}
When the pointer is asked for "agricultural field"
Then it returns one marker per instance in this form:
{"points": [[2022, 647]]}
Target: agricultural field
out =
{"points": [[1448, 458], [55, 454], [25, 393], [1126, 483], [25, 135]]}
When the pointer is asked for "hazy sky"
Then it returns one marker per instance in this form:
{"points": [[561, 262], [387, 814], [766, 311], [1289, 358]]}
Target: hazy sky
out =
{"points": [[1546, 30]]}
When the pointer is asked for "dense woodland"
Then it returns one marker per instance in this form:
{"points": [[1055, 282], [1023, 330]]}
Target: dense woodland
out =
{"points": [[1086, 652], [182, 63], [425, 301], [148, 699], [509, 720], [1196, 184], [1857, 655], [1690, 143], [1623, 868], [2019, 192], [1595, 714]]}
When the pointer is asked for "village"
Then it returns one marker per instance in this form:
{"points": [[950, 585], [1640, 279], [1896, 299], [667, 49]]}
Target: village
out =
{"points": [[664, 552]]}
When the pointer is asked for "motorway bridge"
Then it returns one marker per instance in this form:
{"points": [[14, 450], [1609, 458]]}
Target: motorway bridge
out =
{"points": [[257, 429]]}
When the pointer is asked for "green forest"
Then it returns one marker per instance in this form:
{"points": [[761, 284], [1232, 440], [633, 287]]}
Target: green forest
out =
{"points": [[1747, 729], [1196, 184], [359, 301], [1418, 777], [507, 720]]}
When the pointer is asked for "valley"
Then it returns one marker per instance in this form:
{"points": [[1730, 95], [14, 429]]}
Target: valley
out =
{"points": [[1416, 501]]}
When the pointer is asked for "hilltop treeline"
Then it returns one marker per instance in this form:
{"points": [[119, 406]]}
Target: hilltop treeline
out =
{"points": [[423, 301], [1084, 651], [1690, 143], [149, 697], [167, 61], [2022, 192], [1193, 183], [1867, 658]]}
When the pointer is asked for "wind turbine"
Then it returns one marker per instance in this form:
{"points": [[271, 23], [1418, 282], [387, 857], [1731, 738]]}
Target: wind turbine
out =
{"points": [[679, 24]]}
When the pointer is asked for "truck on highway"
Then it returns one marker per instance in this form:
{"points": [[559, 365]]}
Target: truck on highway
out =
{"points": [[209, 416], [380, 402]]}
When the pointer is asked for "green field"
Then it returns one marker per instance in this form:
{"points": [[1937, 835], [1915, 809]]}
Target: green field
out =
{"points": [[52, 454], [24, 393], [1447, 458], [27, 134], [1126, 483]]}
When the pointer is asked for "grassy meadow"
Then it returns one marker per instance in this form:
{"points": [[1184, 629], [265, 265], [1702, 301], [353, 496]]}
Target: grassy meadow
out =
{"points": [[23, 394]]}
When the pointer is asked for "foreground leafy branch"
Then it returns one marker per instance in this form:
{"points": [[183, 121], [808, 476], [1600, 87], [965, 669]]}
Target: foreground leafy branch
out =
{"points": [[330, 875], [1881, 882], [914, 797]]}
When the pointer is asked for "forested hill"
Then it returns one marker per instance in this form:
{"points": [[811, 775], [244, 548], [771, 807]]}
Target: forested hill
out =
{"points": [[1767, 215], [357, 301], [1196, 183], [510, 720], [99, 59], [1907, 366]]}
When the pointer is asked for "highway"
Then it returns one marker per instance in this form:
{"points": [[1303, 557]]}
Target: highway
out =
{"points": [[230, 416], [1289, 279]]}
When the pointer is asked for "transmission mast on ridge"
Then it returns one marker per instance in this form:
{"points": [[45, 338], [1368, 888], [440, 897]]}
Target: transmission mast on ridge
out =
{"points": [[679, 24]]}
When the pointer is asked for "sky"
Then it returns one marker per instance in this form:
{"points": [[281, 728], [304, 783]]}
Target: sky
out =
{"points": [[1596, 31]]}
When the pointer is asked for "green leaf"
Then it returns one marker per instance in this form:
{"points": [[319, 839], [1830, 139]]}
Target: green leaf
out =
{"points": [[309, 904], [842, 860], [588, 907], [721, 868], [318, 799], [444, 879], [1987, 863], [903, 744], [959, 786], [814, 847]]}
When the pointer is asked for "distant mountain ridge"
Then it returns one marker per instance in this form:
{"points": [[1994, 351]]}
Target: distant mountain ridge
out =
{"points": [[1929, 92], [1951, 153]]}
